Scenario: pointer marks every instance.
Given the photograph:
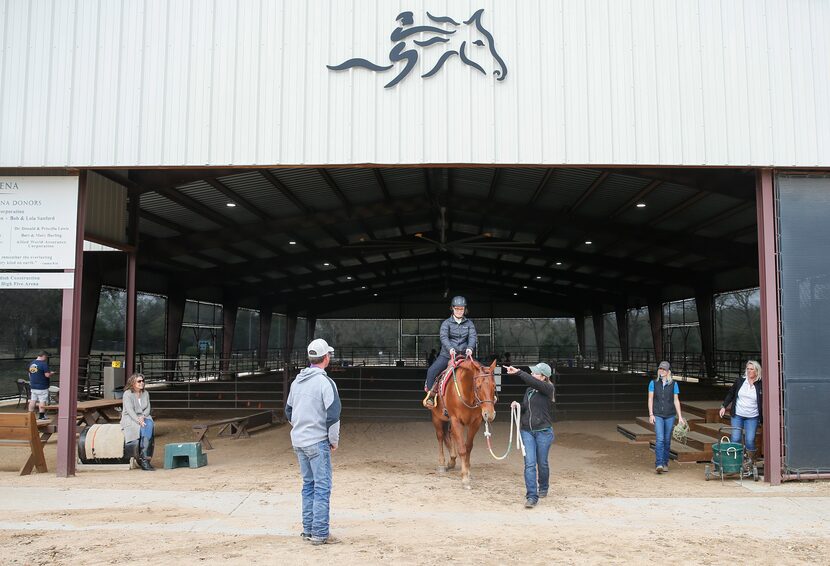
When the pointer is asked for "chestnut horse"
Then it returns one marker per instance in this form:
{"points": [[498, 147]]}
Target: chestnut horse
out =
{"points": [[469, 398]]}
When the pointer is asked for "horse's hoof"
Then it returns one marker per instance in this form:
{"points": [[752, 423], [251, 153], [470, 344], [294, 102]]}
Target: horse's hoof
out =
{"points": [[441, 469], [451, 466], [468, 486]]}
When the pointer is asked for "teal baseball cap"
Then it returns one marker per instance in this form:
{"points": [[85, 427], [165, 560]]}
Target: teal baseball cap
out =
{"points": [[541, 368]]}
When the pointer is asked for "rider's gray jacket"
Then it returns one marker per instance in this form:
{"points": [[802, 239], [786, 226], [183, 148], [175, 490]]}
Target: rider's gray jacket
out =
{"points": [[458, 335]]}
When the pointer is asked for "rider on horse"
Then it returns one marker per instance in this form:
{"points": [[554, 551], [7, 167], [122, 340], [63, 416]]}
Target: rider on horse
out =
{"points": [[458, 334]]}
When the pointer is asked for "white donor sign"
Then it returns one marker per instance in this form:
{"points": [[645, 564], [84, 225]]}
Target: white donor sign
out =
{"points": [[38, 217]]}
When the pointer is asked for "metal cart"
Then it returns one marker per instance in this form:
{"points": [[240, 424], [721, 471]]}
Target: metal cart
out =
{"points": [[729, 458]]}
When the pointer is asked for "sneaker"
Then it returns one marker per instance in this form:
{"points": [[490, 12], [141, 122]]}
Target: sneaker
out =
{"points": [[41, 417], [530, 504], [658, 470], [665, 468], [305, 536], [543, 493], [328, 540]]}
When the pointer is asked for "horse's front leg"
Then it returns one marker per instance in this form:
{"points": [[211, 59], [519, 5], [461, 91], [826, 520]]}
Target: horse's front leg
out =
{"points": [[472, 430], [448, 438], [458, 435], [439, 433]]}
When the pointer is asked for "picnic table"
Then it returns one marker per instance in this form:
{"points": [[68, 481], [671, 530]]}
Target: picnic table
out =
{"points": [[94, 411]]}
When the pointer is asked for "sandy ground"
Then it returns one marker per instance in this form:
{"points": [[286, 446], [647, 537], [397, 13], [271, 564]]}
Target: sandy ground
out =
{"points": [[390, 504]]}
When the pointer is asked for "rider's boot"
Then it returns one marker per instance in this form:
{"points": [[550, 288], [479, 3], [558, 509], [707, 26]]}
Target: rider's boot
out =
{"points": [[429, 400]]}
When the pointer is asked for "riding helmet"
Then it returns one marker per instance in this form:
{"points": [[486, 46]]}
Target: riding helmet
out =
{"points": [[459, 301]]}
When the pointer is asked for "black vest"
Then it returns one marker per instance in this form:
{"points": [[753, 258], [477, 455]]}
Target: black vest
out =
{"points": [[663, 399]]}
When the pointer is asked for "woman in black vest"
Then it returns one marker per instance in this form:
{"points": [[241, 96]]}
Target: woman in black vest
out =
{"points": [[663, 406]]}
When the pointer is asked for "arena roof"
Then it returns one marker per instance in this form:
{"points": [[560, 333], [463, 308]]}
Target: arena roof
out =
{"points": [[328, 239]]}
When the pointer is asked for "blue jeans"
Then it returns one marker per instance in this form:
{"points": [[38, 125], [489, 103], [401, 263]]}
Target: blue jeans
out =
{"points": [[315, 469], [146, 431], [750, 426], [537, 471], [662, 429], [439, 365]]}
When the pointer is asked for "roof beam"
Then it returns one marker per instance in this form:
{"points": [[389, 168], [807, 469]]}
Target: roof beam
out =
{"points": [[589, 191]]}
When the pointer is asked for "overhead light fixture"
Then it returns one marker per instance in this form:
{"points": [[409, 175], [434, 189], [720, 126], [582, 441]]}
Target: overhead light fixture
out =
{"points": [[349, 277], [515, 294], [538, 277], [230, 204], [558, 263], [641, 205], [588, 242], [292, 243], [375, 294], [363, 287], [524, 286], [326, 264]]}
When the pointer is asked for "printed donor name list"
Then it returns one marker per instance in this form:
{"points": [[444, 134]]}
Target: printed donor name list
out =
{"points": [[38, 217]]}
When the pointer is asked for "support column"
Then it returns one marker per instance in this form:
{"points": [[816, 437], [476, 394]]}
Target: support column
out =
{"points": [[230, 307], [311, 326], [579, 321], [70, 347], [770, 324], [265, 317], [621, 311], [655, 320], [173, 329], [287, 350], [132, 266], [705, 315], [599, 333]]}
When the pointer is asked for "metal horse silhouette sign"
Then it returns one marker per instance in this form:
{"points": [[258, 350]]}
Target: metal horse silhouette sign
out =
{"points": [[442, 34]]}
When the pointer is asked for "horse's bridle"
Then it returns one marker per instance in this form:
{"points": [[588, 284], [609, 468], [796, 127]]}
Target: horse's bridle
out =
{"points": [[478, 402]]}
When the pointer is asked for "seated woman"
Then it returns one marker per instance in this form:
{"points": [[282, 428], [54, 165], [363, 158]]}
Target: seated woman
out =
{"points": [[745, 397], [536, 428], [137, 423]]}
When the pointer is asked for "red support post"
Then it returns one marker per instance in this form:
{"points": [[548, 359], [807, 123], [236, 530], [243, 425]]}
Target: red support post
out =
{"points": [[70, 347], [770, 352]]}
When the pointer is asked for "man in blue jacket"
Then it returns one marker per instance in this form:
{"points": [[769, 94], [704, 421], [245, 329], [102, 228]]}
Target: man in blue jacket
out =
{"points": [[458, 334], [39, 375], [313, 409]]}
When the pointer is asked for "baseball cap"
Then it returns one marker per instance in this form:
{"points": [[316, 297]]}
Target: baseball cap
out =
{"points": [[319, 348], [664, 365], [541, 368]]}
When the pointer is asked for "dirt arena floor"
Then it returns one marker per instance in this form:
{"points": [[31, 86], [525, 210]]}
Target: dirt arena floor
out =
{"points": [[391, 505]]}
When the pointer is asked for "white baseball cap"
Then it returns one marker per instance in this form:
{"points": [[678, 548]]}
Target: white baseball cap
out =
{"points": [[319, 348]]}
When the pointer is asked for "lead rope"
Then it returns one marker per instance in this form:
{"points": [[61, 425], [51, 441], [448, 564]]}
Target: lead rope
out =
{"points": [[515, 417]]}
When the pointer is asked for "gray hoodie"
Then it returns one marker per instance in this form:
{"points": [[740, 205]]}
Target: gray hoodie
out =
{"points": [[313, 408]]}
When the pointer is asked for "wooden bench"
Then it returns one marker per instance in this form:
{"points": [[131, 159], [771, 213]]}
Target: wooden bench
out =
{"points": [[236, 427], [21, 430]]}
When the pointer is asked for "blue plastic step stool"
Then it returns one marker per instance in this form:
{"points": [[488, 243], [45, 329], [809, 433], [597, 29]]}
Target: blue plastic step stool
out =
{"points": [[185, 454]]}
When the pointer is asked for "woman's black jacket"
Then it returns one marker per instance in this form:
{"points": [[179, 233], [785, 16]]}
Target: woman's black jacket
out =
{"points": [[537, 405], [732, 396]]}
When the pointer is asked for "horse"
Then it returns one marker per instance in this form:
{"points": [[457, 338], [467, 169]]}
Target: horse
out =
{"points": [[469, 398]]}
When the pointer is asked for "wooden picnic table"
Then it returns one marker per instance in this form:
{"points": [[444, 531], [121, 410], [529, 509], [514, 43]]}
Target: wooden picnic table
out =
{"points": [[94, 411]]}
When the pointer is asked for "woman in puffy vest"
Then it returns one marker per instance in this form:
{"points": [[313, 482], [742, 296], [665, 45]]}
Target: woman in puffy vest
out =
{"points": [[458, 334], [663, 406]]}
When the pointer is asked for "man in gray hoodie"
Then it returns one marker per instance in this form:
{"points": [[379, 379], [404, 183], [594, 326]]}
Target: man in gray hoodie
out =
{"points": [[313, 409]]}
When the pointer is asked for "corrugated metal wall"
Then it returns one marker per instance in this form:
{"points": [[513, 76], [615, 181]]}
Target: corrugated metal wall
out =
{"points": [[193, 82]]}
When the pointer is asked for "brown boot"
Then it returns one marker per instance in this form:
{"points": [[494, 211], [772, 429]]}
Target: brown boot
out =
{"points": [[429, 400]]}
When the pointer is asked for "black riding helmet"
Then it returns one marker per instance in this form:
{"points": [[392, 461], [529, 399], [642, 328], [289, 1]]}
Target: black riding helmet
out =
{"points": [[459, 301]]}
